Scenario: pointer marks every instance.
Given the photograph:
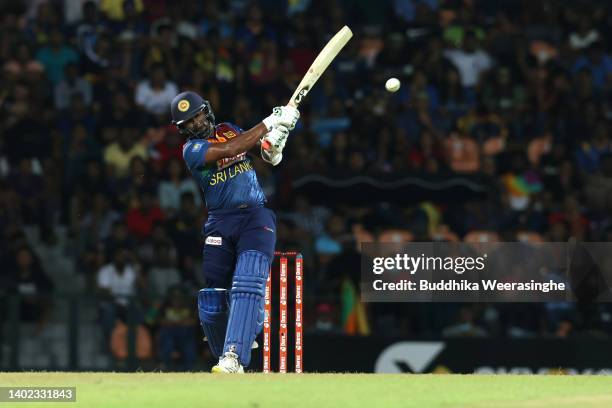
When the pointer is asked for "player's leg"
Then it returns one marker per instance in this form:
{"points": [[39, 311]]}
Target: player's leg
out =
{"points": [[213, 301], [213, 309], [255, 250]]}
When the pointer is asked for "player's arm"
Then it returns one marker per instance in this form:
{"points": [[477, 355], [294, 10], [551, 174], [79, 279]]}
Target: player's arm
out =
{"points": [[285, 117], [236, 145]]}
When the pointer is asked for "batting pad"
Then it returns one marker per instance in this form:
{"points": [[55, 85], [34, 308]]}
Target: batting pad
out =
{"points": [[213, 308], [247, 303]]}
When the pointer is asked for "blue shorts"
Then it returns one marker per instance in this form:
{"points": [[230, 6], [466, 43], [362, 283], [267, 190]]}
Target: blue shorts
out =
{"points": [[228, 233]]}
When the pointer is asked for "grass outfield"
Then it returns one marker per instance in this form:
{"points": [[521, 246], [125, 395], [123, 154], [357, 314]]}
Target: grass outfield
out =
{"points": [[320, 390]]}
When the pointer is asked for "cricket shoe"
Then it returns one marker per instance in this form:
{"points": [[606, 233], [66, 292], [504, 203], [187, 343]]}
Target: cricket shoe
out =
{"points": [[228, 364]]}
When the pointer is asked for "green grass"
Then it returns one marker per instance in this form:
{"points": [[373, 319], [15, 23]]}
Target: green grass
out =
{"points": [[319, 390]]}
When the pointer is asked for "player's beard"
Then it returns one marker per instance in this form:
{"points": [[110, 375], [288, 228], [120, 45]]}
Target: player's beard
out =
{"points": [[202, 129], [206, 130]]}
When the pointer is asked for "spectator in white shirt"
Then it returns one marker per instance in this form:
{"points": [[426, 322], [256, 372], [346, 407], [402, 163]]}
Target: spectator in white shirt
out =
{"points": [[70, 85], [470, 61], [155, 94], [118, 281], [585, 35], [119, 278]]}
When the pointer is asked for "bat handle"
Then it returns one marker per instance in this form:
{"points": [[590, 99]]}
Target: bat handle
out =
{"points": [[264, 143]]}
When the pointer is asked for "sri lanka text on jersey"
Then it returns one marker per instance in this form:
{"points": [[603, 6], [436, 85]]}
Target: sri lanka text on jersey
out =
{"points": [[223, 175]]}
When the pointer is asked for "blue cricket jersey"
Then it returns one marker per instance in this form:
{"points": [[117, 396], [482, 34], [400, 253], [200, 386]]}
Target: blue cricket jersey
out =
{"points": [[229, 183]]}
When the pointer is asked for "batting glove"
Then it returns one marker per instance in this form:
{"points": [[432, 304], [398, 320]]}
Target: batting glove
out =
{"points": [[282, 115], [275, 140], [273, 143], [274, 158]]}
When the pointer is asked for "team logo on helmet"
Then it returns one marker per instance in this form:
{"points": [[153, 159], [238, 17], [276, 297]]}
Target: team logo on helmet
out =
{"points": [[183, 105]]}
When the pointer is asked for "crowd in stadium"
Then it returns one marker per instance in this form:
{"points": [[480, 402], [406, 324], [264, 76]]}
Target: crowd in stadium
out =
{"points": [[519, 92]]}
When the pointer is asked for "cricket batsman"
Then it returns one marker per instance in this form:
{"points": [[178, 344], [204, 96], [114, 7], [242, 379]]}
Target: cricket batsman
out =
{"points": [[240, 233]]}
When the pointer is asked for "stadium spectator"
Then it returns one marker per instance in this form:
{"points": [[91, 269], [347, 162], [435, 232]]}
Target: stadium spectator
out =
{"points": [[22, 65], [115, 9], [590, 152], [97, 223], [462, 153], [171, 190], [177, 331], [598, 62], [29, 186], [55, 56], [142, 214], [117, 282], [585, 34], [70, 85], [184, 226], [119, 154], [27, 278], [164, 273], [465, 326], [155, 94], [470, 60]]}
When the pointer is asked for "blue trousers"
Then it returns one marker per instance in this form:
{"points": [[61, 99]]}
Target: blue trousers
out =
{"points": [[230, 232]]}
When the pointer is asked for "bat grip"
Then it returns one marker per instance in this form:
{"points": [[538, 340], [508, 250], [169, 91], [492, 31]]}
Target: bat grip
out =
{"points": [[264, 143]]}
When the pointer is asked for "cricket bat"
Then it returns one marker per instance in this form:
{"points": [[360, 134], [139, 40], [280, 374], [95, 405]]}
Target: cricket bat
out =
{"points": [[319, 65]]}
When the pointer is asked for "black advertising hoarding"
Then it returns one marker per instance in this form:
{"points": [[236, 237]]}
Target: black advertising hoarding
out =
{"points": [[466, 356]]}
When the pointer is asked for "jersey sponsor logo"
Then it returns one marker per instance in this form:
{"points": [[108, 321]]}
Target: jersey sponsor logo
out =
{"points": [[221, 137], [216, 241], [229, 173], [183, 105], [197, 147], [229, 134], [228, 161]]}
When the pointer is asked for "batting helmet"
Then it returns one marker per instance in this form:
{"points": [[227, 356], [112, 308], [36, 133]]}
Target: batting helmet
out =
{"points": [[185, 106]]}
